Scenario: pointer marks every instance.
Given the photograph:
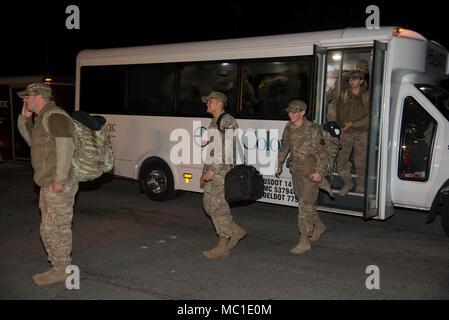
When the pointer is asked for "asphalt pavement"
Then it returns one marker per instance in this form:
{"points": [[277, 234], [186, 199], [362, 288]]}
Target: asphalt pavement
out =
{"points": [[129, 247]]}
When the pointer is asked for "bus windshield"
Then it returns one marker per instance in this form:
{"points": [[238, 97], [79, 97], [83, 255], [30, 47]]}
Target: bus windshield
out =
{"points": [[438, 96]]}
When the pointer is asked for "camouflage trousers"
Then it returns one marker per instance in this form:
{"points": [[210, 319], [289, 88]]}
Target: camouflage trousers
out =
{"points": [[307, 193], [358, 142], [56, 226], [217, 207]]}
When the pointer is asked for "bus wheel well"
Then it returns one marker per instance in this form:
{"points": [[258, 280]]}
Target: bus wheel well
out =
{"points": [[441, 205]]}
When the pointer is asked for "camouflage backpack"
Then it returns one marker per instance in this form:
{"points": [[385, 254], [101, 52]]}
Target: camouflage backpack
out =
{"points": [[330, 133], [93, 154], [93, 150]]}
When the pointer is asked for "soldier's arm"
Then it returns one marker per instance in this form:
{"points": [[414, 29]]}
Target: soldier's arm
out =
{"points": [[362, 123], [206, 168], [62, 129], [285, 148], [227, 160], [25, 125], [320, 152]]}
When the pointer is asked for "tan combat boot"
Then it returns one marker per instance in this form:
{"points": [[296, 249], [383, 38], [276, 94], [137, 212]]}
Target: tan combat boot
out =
{"points": [[238, 233], [346, 187], [50, 277], [318, 230], [304, 244], [221, 250]]}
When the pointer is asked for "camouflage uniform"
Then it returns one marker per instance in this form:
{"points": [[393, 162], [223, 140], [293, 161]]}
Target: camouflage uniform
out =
{"points": [[353, 108], [214, 201], [56, 226], [52, 147], [306, 157]]}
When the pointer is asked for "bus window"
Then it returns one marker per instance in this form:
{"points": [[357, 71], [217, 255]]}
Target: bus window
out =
{"points": [[417, 137], [199, 80], [333, 83], [102, 89], [269, 86], [438, 96], [151, 89], [137, 89]]}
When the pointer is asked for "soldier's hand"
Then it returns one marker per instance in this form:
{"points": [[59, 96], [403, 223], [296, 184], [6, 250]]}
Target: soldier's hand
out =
{"points": [[278, 172], [202, 181], [209, 175], [347, 125], [58, 187], [315, 177], [25, 111]]}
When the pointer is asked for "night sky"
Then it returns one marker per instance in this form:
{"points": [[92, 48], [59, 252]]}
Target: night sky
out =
{"points": [[35, 39]]}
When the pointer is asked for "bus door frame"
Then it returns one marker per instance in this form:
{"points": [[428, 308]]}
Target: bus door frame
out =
{"points": [[375, 195]]}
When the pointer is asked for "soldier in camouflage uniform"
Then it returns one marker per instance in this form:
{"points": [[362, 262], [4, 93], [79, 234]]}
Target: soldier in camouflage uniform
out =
{"points": [[353, 117], [215, 205], [307, 163], [52, 147]]}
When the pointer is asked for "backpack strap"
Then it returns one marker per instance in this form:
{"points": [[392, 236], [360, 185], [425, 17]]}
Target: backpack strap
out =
{"points": [[219, 120]]}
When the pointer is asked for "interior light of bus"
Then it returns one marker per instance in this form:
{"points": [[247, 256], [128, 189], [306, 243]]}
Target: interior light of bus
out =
{"points": [[336, 57], [188, 176], [398, 32]]}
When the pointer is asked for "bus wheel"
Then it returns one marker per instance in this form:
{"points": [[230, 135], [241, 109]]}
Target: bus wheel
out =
{"points": [[157, 181]]}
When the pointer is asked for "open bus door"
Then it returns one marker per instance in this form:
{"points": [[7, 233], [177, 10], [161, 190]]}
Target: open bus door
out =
{"points": [[376, 184], [331, 72]]}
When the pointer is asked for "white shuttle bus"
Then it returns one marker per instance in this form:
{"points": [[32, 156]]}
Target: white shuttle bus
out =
{"points": [[147, 93]]}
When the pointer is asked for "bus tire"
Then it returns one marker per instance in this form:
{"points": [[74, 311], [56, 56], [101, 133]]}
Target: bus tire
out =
{"points": [[157, 180]]}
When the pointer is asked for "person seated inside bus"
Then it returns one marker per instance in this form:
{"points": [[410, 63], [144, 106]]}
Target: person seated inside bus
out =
{"points": [[353, 118], [276, 90], [229, 87]]}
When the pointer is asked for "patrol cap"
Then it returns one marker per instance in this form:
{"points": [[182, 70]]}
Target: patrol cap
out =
{"points": [[215, 95], [356, 74], [296, 106], [36, 88]]}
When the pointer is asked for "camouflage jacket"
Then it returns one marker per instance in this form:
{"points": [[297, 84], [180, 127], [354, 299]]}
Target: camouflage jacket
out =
{"points": [[52, 146], [354, 108], [303, 143], [221, 164]]}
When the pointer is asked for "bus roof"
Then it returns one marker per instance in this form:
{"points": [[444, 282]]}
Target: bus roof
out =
{"points": [[254, 47]]}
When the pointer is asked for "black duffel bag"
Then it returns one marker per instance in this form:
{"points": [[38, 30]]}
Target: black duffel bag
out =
{"points": [[243, 182]]}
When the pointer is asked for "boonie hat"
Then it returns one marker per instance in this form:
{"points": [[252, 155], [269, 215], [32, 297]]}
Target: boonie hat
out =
{"points": [[296, 106], [36, 88], [215, 95]]}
